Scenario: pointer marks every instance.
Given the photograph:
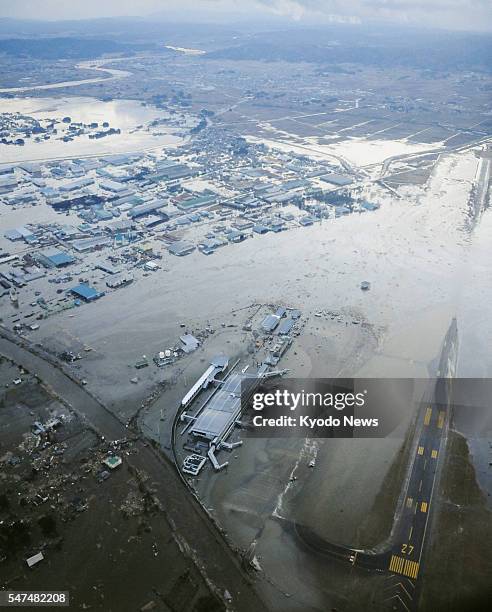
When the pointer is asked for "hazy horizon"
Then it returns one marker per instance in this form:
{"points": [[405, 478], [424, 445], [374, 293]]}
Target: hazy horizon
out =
{"points": [[458, 15]]}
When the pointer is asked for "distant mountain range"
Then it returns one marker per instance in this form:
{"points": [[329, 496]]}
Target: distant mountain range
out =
{"points": [[327, 45], [357, 45], [66, 48]]}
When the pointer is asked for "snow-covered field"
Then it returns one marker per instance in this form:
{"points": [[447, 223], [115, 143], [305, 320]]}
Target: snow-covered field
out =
{"points": [[363, 152], [358, 152]]}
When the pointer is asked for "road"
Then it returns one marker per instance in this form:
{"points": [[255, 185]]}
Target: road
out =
{"points": [[222, 566]]}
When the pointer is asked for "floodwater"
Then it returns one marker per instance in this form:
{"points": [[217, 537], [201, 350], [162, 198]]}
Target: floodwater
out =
{"points": [[425, 266], [96, 65], [412, 250], [130, 116]]}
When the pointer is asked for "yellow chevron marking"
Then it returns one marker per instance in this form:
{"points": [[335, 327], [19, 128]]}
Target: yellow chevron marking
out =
{"points": [[423, 507], [420, 450], [440, 419], [434, 454]]}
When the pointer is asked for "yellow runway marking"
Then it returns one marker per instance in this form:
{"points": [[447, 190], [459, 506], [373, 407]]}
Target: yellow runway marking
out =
{"points": [[411, 569], [440, 419], [434, 454], [423, 507], [396, 564], [420, 450], [428, 415], [399, 565]]}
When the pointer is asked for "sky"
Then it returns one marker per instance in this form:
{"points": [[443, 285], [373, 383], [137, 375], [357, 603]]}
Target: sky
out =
{"points": [[450, 14]]}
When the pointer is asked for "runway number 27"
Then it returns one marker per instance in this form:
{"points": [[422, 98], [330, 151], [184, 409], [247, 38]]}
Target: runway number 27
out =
{"points": [[406, 549]]}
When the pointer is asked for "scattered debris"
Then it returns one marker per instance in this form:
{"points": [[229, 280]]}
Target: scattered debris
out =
{"points": [[112, 461], [35, 559]]}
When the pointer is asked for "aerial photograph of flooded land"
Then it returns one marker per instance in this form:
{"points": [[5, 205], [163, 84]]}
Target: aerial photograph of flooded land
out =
{"points": [[209, 209]]}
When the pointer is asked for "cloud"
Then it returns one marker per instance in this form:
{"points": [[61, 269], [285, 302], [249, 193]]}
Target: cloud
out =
{"points": [[459, 14]]}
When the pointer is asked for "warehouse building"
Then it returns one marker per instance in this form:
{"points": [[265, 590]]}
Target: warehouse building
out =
{"points": [[196, 202], [180, 248], [285, 326], [87, 244], [54, 258], [86, 292], [147, 209], [337, 179], [20, 233]]}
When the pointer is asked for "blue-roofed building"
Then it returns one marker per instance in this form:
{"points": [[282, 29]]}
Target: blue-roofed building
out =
{"points": [[369, 206], [86, 292], [55, 258]]}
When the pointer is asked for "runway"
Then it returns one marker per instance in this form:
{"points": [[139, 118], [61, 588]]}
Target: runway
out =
{"points": [[404, 560]]}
